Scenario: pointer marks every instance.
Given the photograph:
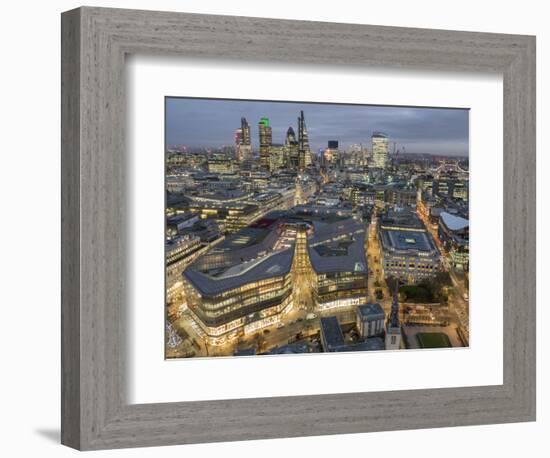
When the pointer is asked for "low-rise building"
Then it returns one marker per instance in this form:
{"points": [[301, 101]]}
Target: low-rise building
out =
{"points": [[332, 338], [337, 255], [240, 299], [180, 252], [175, 224], [221, 164], [247, 282], [370, 320], [408, 251], [454, 233]]}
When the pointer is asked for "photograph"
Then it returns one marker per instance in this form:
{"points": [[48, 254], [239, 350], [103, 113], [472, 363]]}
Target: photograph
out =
{"points": [[305, 227]]}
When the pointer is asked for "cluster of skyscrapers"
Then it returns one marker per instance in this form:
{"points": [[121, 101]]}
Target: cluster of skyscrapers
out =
{"points": [[294, 154]]}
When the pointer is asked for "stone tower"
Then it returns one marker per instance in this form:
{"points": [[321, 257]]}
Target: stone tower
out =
{"points": [[393, 325]]}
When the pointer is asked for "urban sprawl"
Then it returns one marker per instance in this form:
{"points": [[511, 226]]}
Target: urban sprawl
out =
{"points": [[279, 249]]}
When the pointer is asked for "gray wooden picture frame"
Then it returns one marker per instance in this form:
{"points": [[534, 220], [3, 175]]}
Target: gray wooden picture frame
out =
{"points": [[95, 412]]}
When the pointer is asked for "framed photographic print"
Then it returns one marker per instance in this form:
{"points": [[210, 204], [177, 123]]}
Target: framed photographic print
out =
{"points": [[288, 228]]}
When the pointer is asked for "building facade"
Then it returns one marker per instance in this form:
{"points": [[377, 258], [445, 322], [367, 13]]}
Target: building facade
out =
{"points": [[332, 338], [256, 276], [370, 320], [243, 143], [240, 300], [407, 250], [379, 149], [304, 154], [266, 139], [454, 233]]}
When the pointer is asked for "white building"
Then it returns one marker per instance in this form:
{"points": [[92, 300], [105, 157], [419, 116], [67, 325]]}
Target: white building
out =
{"points": [[370, 320], [379, 149]]}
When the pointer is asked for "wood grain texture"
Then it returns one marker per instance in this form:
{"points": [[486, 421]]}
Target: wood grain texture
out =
{"points": [[70, 229], [95, 412]]}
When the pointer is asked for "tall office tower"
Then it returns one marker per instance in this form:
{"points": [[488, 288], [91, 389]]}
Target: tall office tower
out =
{"points": [[238, 143], [357, 155], [291, 150], [379, 149], [242, 141], [266, 137], [330, 155], [276, 157], [393, 325], [303, 143], [245, 127]]}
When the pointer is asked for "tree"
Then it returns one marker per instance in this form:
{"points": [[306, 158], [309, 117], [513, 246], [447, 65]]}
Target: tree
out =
{"points": [[442, 279]]}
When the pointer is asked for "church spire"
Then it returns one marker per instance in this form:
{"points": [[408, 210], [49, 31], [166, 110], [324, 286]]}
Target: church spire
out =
{"points": [[394, 316], [393, 325]]}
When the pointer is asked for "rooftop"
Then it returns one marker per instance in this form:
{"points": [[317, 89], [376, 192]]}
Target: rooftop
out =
{"points": [[245, 352], [370, 309], [338, 247], [181, 218], [289, 349], [402, 218], [332, 333], [453, 222], [253, 254], [407, 240], [379, 135], [265, 267], [370, 344], [249, 236]]}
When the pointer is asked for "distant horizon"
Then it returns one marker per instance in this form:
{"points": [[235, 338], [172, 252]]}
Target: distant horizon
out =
{"points": [[211, 123], [390, 153]]}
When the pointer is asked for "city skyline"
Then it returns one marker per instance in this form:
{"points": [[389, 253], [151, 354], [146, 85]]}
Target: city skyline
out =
{"points": [[198, 123], [273, 248]]}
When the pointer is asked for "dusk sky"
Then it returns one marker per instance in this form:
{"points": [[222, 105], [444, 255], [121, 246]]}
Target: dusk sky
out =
{"points": [[212, 123]]}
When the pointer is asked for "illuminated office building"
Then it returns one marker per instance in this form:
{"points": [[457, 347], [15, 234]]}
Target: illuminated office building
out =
{"points": [[292, 150], [276, 157], [337, 255], [400, 195], [221, 164], [180, 252], [407, 249], [304, 158], [331, 155], [243, 142], [242, 299], [379, 149], [266, 139], [454, 233], [253, 278], [370, 320], [242, 286]]}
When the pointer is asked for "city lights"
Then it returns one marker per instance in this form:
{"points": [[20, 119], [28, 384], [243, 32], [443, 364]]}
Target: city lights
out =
{"points": [[340, 238]]}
